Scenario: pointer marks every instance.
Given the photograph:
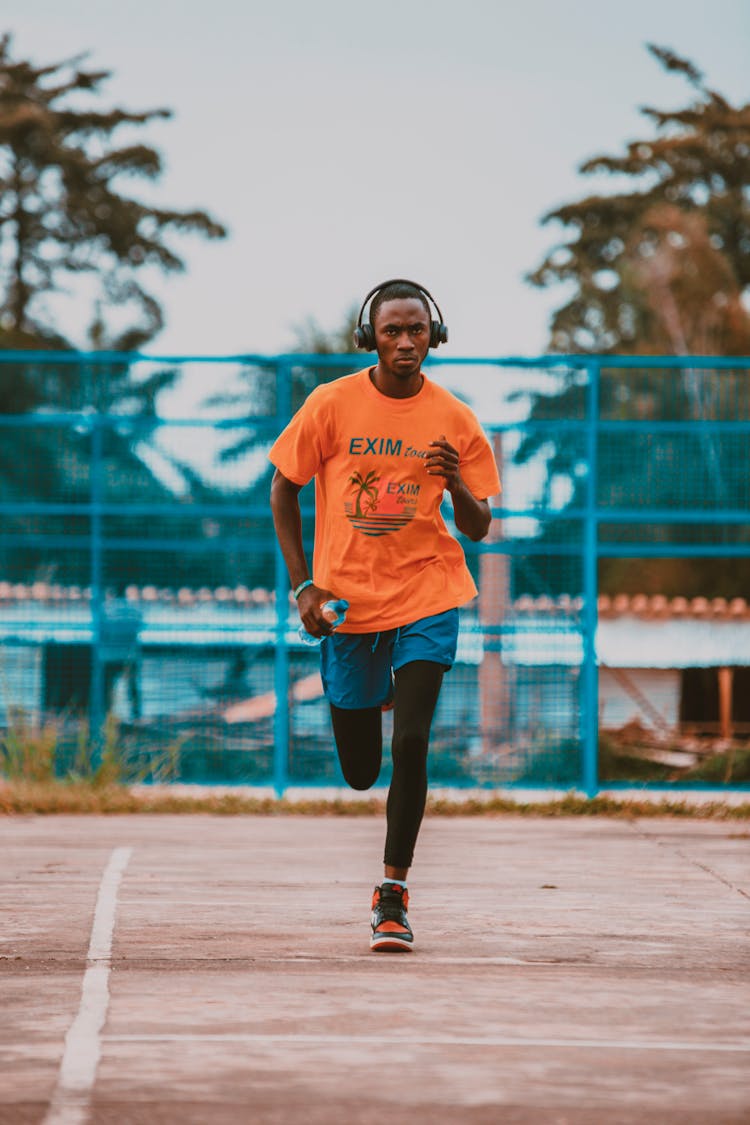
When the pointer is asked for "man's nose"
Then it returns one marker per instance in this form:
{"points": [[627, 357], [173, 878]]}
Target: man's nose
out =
{"points": [[404, 341]]}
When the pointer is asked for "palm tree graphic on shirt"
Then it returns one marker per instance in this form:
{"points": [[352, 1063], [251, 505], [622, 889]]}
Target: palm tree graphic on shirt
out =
{"points": [[366, 487], [380, 506]]}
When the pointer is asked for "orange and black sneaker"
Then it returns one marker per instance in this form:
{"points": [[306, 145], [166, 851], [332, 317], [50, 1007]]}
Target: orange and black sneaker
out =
{"points": [[391, 932]]}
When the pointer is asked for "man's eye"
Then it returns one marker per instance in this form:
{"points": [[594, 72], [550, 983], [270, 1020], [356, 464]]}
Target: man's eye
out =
{"points": [[417, 329]]}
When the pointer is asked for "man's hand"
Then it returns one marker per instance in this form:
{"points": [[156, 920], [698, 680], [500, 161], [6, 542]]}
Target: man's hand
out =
{"points": [[443, 462], [472, 515], [310, 604], [288, 525]]}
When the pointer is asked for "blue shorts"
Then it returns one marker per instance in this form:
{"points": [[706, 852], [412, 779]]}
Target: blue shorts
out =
{"points": [[356, 668]]}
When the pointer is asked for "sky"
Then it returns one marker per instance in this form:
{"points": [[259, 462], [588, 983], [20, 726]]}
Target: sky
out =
{"points": [[344, 142]]}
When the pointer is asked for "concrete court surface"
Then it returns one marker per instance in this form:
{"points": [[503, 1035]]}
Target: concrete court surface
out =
{"points": [[200, 970]]}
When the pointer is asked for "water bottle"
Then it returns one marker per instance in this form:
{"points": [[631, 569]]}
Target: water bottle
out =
{"points": [[334, 611]]}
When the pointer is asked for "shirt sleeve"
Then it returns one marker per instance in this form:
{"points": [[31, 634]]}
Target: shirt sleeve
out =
{"points": [[478, 465], [297, 451]]}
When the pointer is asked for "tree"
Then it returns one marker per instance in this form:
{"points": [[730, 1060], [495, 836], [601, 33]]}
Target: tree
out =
{"points": [[660, 267], [256, 398], [255, 404], [688, 183], [63, 213]]}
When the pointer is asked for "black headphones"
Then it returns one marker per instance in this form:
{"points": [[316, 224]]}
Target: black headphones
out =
{"points": [[364, 334]]}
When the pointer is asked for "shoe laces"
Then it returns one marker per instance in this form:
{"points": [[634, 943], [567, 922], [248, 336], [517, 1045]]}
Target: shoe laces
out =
{"points": [[390, 904]]}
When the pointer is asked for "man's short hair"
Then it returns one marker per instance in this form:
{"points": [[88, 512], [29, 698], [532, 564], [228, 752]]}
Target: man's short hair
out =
{"points": [[398, 291]]}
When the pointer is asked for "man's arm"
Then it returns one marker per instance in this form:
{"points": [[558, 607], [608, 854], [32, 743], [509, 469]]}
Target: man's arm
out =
{"points": [[473, 516], [287, 522]]}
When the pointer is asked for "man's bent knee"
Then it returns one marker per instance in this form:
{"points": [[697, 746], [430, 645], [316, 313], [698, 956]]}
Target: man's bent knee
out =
{"points": [[360, 781]]}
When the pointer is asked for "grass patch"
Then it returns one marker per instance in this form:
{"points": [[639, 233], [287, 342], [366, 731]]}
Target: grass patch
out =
{"points": [[60, 751], [54, 769], [624, 761], [730, 766], [28, 797], [573, 804], [80, 797]]}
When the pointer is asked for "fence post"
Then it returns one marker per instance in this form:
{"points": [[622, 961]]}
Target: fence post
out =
{"points": [[281, 652], [96, 701], [590, 685]]}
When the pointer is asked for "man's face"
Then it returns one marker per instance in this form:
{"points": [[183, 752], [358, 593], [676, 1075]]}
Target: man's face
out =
{"points": [[402, 335]]}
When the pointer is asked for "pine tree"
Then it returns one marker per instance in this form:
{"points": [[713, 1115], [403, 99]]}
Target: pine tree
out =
{"points": [[258, 392], [659, 267], [64, 214], [255, 405], [688, 189]]}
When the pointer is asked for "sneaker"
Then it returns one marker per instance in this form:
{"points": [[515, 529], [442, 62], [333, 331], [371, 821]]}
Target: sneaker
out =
{"points": [[391, 932]]}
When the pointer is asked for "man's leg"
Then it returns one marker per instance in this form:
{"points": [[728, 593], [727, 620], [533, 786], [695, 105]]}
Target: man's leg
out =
{"points": [[359, 742], [416, 694], [356, 673], [417, 686]]}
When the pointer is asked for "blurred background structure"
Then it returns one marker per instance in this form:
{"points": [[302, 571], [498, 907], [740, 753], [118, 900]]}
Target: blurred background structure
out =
{"points": [[146, 606], [143, 607]]}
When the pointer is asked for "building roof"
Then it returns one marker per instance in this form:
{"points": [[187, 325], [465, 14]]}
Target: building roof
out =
{"points": [[638, 605], [636, 631], [660, 608]]}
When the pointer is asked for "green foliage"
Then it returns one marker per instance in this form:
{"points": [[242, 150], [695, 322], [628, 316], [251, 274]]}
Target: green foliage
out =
{"points": [[60, 752], [255, 402], [621, 762], [27, 752], [63, 212], [256, 398], [617, 763], [729, 767], [660, 266]]}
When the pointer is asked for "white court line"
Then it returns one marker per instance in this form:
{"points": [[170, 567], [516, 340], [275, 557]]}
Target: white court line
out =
{"points": [[364, 959], [367, 959], [75, 1080], [741, 1047]]}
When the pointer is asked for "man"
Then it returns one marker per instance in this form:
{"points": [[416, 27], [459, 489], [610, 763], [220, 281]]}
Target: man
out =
{"points": [[383, 445]]}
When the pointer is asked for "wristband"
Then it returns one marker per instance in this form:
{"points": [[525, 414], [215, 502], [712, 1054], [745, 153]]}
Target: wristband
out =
{"points": [[302, 586]]}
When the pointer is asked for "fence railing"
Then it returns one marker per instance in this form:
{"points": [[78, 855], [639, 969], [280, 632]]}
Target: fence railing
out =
{"points": [[142, 589]]}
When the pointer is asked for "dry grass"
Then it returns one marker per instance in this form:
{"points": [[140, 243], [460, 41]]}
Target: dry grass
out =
{"points": [[573, 804], [25, 796], [108, 782]]}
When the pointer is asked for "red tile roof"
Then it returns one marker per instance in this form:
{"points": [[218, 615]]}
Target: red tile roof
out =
{"points": [[652, 606]]}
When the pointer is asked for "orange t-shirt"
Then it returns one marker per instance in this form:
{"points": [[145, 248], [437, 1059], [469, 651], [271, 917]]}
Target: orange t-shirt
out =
{"points": [[380, 540]]}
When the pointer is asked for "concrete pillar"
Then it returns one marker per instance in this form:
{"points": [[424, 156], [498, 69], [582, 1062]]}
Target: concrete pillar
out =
{"points": [[494, 594], [725, 702]]}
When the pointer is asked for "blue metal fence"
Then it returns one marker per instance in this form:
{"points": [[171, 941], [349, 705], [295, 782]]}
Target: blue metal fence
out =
{"points": [[141, 586]]}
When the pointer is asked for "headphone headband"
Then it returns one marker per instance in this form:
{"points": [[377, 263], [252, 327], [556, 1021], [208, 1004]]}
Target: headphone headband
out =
{"points": [[364, 334]]}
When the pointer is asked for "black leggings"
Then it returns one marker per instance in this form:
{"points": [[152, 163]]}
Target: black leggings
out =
{"points": [[359, 741]]}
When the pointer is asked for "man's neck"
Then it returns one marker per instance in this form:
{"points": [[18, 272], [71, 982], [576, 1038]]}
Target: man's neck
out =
{"points": [[396, 386]]}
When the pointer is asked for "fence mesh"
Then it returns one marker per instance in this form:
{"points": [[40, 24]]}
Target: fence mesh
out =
{"points": [[145, 611]]}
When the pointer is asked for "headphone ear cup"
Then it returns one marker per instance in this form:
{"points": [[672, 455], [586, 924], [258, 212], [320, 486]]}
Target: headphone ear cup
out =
{"points": [[364, 337], [436, 333]]}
